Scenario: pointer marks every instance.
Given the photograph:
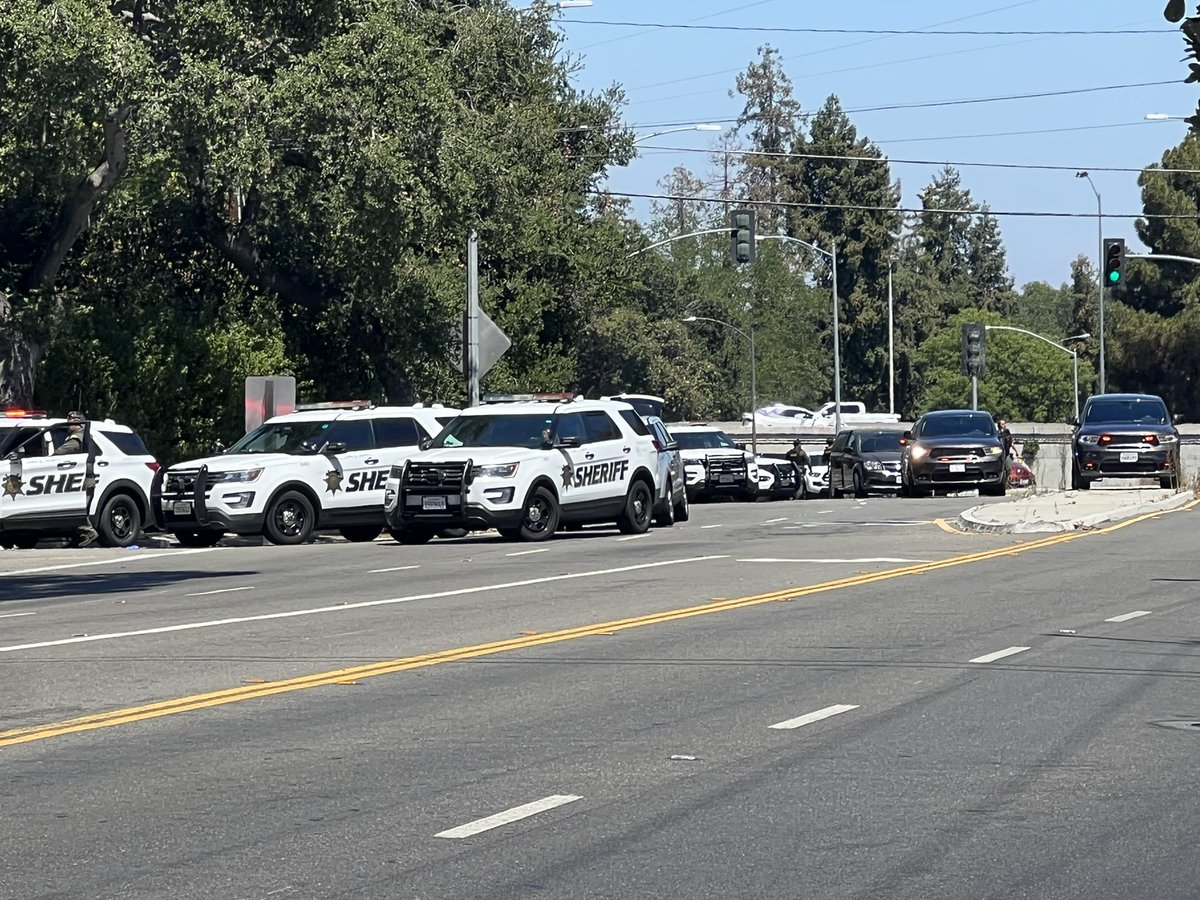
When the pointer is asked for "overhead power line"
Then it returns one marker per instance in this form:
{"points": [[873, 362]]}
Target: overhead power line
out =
{"points": [[779, 29], [793, 204], [886, 160]]}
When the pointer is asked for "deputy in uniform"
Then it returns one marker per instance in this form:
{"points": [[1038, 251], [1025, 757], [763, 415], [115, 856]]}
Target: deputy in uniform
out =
{"points": [[74, 441]]}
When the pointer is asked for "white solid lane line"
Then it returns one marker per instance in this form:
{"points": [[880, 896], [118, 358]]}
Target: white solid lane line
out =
{"points": [[15, 615], [132, 557], [633, 537], [509, 815], [999, 654], [220, 591], [712, 526], [291, 614], [392, 569], [830, 559], [809, 718], [1127, 616], [773, 521], [527, 552]]}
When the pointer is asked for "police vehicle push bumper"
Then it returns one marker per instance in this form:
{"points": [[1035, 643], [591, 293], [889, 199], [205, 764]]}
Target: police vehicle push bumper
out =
{"points": [[435, 496], [197, 500]]}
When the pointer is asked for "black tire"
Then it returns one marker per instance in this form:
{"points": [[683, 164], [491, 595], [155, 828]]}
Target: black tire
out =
{"points": [[453, 533], [411, 535], [635, 519], [1078, 482], [683, 509], [664, 513], [510, 534], [198, 538], [540, 519], [119, 522], [361, 534], [290, 519], [21, 543], [859, 490], [1168, 483]]}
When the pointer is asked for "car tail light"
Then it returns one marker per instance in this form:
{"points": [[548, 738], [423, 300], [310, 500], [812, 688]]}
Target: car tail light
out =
{"points": [[153, 466]]}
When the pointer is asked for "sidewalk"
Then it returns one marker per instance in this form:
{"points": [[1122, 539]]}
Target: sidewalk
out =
{"points": [[1070, 510]]}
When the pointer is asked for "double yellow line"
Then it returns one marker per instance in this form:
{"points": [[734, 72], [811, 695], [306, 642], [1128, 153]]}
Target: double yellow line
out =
{"points": [[386, 667]]}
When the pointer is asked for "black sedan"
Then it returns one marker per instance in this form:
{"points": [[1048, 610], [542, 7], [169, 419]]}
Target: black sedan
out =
{"points": [[865, 460], [1125, 436], [953, 448]]}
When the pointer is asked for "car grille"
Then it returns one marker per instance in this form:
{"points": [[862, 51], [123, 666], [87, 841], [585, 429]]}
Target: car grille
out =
{"points": [[446, 476], [891, 467], [1126, 440], [940, 453], [184, 481], [717, 467]]}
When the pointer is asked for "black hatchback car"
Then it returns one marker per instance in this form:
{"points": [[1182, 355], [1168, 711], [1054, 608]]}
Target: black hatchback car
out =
{"points": [[953, 448], [867, 459], [1125, 436]]}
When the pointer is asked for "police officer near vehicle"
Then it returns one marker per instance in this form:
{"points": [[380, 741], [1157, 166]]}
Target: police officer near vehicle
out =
{"points": [[797, 455], [1006, 438], [74, 441]]}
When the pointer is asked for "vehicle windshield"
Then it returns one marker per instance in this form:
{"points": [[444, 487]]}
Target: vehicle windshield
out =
{"points": [[1142, 410], [703, 440], [881, 442], [967, 424], [284, 437], [529, 430]]}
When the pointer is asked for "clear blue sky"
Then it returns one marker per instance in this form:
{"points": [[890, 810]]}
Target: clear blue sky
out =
{"points": [[682, 75]]}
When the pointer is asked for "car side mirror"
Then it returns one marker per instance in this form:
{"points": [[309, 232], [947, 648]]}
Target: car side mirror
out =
{"points": [[216, 448], [740, 446], [1074, 423], [335, 447], [1177, 419], [568, 441], [425, 443], [14, 457], [906, 437]]}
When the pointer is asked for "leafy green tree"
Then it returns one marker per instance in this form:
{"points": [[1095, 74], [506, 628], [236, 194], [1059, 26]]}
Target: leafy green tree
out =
{"points": [[1044, 309]]}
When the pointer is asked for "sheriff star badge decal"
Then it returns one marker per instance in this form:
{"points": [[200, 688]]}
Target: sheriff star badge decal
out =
{"points": [[333, 481], [566, 475], [13, 485]]}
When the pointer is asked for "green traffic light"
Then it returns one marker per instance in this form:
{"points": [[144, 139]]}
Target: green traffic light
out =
{"points": [[1114, 277]]}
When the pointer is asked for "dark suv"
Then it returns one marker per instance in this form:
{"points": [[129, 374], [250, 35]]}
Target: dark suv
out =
{"points": [[1125, 436], [953, 448]]}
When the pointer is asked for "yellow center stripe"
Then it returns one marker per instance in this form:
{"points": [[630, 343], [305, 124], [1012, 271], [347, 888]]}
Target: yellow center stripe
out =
{"points": [[456, 654]]}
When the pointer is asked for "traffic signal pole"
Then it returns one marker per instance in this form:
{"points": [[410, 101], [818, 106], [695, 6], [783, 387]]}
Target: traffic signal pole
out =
{"points": [[974, 392]]}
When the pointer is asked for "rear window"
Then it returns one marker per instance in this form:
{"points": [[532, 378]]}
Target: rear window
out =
{"points": [[129, 443]]}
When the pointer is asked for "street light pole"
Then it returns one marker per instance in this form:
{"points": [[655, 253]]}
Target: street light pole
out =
{"points": [[1099, 272], [891, 346], [1061, 345], [753, 373]]}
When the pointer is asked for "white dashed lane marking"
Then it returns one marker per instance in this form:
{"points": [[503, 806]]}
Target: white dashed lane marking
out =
{"points": [[1136, 614], [220, 591], [999, 654], [809, 718], [527, 552], [15, 615], [392, 569], [508, 816]]}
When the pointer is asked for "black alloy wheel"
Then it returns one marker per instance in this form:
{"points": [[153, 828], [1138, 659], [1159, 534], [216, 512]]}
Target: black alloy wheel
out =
{"points": [[290, 519], [540, 519], [638, 503], [120, 521]]}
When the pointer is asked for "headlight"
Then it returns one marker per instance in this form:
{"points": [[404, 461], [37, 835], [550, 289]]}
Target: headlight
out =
{"points": [[505, 470], [1089, 439], [919, 452], [994, 451], [1168, 438], [243, 476], [873, 465]]}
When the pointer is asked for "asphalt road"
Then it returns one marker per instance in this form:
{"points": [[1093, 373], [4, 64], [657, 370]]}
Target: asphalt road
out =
{"points": [[822, 699]]}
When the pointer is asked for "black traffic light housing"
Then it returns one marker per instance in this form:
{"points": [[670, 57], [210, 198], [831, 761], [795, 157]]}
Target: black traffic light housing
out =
{"points": [[742, 234], [974, 349], [1114, 262]]}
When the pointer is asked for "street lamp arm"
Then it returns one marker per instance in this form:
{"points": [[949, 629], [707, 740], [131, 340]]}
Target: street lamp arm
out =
{"points": [[1188, 259], [717, 322], [1031, 334], [791, 240], [678, 237]]}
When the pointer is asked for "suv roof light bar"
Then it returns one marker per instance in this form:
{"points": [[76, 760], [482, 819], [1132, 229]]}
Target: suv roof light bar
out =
{"points": [[335, 404], [540, 396], [15, 413]]}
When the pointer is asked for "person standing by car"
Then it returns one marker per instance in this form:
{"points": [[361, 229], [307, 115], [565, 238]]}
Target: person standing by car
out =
{"points": [[74, 439], [797, 455], [1006, 438]]}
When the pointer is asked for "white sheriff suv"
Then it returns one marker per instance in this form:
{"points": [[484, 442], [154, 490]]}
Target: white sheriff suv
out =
{"points": [[323, 467], [527, 465], [108, 486], [714, 465]]}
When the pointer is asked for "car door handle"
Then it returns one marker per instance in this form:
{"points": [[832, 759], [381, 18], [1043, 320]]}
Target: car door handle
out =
{"points": [[101, 464], [67, 465], [589, 456], [626, 449], [370, 462]]}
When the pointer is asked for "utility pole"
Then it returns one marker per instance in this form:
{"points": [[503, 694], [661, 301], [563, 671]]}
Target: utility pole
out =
{"points": [[471, 337], [891, 346]]}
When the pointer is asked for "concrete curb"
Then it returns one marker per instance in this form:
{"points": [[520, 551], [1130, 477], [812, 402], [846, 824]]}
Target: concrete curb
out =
{"points": [[970, 519]]}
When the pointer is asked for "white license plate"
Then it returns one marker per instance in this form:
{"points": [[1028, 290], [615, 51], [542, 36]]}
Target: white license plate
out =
{"points": [[958, 467], [1129, 456], [182, 507], [725, 479], [433, 503]]}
